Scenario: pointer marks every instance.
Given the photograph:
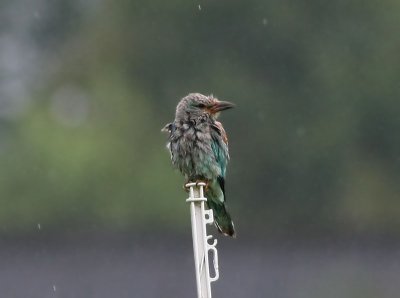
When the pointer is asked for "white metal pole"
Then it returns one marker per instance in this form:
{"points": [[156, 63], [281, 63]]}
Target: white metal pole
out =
{"points": [[200, 217]]}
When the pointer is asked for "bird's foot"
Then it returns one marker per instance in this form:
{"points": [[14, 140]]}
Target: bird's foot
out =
{"points": [[185, 187], [203, 181]]}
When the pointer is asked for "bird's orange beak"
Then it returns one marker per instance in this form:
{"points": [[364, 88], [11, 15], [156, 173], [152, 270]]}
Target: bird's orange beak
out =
{"points": [[219, 106]]}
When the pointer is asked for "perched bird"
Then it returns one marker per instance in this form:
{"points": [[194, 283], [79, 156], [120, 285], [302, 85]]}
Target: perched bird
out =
{"points": [[199, 149]]}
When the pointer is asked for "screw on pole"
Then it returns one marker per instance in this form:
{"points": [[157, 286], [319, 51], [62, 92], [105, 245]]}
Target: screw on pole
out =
{"points": [[200, 217]]}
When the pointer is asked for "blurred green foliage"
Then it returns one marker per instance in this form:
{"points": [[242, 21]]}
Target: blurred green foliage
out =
{"points": [[313, 140]]}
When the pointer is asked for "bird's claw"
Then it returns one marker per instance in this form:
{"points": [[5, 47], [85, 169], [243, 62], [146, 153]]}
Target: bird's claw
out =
{"points": [[185, 187], [205, 182]]}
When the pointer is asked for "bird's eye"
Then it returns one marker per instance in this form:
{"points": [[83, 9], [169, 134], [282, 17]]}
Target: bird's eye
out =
{"points": [[201, 105]]}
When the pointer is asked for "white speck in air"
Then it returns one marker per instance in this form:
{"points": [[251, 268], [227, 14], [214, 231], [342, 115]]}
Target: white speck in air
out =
{"points": [[265, 21]]}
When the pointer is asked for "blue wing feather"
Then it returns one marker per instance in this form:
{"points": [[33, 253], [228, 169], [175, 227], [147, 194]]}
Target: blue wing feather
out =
{"points": [[220, 155]]}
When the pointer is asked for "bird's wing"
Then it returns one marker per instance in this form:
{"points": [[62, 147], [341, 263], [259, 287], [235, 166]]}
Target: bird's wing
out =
{"points": [[169, 128], [220, 146]]}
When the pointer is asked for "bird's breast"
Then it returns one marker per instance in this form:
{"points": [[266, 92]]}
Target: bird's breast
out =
{"points": [[193, 153]]}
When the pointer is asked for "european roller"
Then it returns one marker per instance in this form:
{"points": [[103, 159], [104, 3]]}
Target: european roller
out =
{"points": [[199, 149]]}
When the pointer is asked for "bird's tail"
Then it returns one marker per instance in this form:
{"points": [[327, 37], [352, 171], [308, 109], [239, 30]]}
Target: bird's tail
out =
{"points": [[222, 219]]}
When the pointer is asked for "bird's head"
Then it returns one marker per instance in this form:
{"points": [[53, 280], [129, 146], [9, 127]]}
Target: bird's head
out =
{"points": [[196, 105]]}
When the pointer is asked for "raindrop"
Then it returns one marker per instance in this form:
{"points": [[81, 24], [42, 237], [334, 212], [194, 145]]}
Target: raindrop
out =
{"points": [[265, 21], [39, 226], [301, 131], [261, 116], [54, 288], [199, 7]]}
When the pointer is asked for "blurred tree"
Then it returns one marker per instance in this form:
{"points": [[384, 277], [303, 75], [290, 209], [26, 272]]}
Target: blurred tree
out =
{"points": [[313, 139]]}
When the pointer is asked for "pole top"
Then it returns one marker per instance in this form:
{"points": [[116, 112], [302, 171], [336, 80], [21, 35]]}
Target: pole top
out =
{"points": [[191, 184], [192, 197]]}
